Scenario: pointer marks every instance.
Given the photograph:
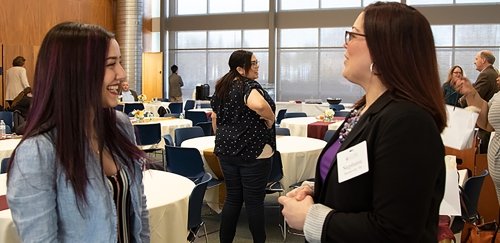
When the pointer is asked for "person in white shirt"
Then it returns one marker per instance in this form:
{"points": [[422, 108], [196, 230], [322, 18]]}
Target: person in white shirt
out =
{"points": [[16, 79], [127, 94]]}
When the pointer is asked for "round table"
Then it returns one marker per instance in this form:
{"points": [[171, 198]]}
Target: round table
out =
{"points": [[298, 154], [7, 146], [153, 106], [167, 201], [298, 125]]}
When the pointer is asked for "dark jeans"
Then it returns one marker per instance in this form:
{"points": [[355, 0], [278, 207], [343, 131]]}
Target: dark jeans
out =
{"points": [[245, 182]]}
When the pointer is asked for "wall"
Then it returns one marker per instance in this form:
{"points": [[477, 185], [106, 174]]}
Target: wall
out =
{"points": [[24, 23]]}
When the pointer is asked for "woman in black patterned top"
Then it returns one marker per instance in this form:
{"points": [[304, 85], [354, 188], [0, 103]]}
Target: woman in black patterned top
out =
{"points": [[245, 140]]}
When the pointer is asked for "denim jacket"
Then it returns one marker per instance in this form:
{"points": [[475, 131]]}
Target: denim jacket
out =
{"points": [[44, 206]]}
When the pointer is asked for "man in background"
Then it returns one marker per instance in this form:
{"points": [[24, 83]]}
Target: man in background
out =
{"points": [[127, 94], [174, 85], [486, 87]]}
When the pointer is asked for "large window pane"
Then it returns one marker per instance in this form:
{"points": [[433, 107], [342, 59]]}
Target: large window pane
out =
{"points": [[340, 4], [445, 62], [331, 82], [298, 4], [299, 38], [298, 75], [155, 41], [224, 6], [192, 69], [477, 35], [155, 8], [191, 39], [332, 37], [224, 39], [255, 5], [186, 7], [255, 38], [465, 58], [368, 2], [443, 35]]}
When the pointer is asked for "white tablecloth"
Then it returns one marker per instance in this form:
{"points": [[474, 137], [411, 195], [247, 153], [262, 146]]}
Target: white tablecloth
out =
{"points": [[298, 125], [309, 109], [7, 146], [299, 156], [167, 199], [153, 106]]}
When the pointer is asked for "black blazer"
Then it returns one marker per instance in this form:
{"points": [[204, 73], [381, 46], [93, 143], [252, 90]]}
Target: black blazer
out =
{"points": [[398, 199]]}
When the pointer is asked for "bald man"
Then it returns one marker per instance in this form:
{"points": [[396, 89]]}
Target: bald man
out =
{"points": [[486, 87], [128, 95]]}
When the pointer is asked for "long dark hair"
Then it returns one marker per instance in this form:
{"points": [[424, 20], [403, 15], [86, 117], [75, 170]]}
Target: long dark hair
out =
{"points": [[404, 55], [69, 76], [239, 58], [450, 72]]}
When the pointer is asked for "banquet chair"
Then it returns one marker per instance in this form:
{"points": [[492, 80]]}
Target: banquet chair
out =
{"points": [[187, 162], [342, 113], [280, 116], [129, 107], [189, 105], [175, 107], [207, 127], [205, 105], [162, 111], [468, 202], [194, 209], [18, 122], [167, 138], [295, 114], [328, 135], [119, 108], [274, 185], [148, 136], [196, 116], [3, 166], [337, 107], [186, 133], [282, 131]]}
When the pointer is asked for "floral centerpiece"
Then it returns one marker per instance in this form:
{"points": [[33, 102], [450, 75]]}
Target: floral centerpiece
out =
{"points": [[328, 115], [142, 97], [138, 114]]}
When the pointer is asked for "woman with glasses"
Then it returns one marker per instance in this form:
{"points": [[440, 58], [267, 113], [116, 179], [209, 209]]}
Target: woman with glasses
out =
{"points": [[381, 176], [245, 140], [451, 96]]}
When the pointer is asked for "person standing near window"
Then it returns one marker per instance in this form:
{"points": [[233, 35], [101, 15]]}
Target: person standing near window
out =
{"points": [[245, 140], [76, 175], [16, 79], [381, 177], [174, 85]]}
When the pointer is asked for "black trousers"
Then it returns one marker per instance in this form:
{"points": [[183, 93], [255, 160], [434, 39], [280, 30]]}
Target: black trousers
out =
{"points": [[245, 183]]}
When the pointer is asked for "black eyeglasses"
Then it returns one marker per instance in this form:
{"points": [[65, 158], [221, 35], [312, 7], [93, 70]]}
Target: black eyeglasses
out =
{"points": [[350, 35]]}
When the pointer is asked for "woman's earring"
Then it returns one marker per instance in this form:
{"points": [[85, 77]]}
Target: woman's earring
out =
{"points": [[371, 67]]}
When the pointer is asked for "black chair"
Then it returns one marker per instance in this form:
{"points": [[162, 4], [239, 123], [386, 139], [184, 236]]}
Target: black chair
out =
{"points": [[207, 127], [183, 161], [162, 111], [205, 105], [196, 116], [168, 140], [175, 107], [280, 116], [3, 166], [337, 107], [194, 209], [189, 105], [342, 113], [282, 131], [18, 122], [119, 108], [295, 114], [148, 136], [328, 135], [469, 199], [186, 133], [129, 107], [274, 185]]}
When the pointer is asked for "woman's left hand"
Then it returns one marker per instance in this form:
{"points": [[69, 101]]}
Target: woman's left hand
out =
{"points": [[294, 211]]}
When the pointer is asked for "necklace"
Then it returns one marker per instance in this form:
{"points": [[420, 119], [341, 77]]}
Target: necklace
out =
{"points": [[350, 123]]}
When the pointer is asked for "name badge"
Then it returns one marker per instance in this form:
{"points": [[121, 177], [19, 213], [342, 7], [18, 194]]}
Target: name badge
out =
{"points": [[352, 162]]}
